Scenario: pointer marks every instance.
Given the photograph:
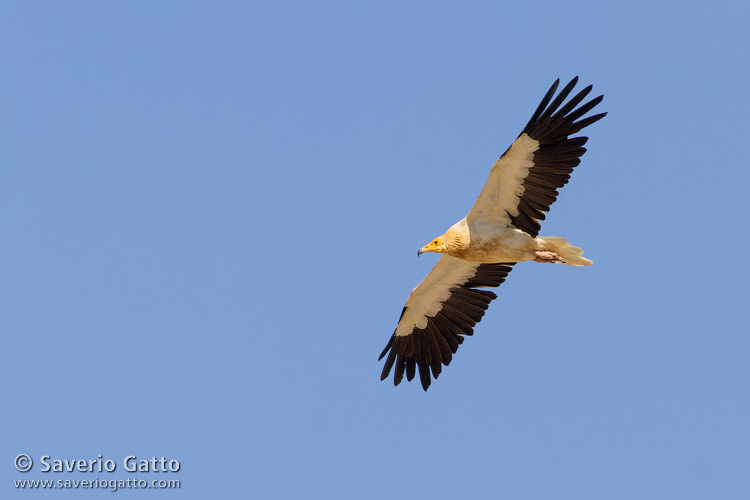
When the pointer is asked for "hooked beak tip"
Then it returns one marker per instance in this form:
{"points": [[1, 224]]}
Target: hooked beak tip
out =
{"points": [[420, 252]]}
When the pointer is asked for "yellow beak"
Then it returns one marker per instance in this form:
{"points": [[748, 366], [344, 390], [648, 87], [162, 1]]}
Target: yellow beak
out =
{"points": [[430, 247]]}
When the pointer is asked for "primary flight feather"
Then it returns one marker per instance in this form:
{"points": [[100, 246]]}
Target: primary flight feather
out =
{"points": [[500, 230]]}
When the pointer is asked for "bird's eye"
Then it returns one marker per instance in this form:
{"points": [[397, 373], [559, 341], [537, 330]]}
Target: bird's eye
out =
{"points": [[435, 242]]}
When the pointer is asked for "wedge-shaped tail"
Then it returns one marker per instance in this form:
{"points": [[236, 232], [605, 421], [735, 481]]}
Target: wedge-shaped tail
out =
{"points": [[573, 255]]}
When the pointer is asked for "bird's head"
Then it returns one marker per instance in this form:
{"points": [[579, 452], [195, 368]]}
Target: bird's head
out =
{"points": [[436, 245]]}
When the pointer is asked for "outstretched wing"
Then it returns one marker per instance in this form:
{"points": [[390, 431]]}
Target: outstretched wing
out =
{"points": [[443, 308], [523, 183]]}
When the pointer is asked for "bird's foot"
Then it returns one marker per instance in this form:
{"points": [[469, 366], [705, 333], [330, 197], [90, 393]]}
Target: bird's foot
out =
{"points": [[547, 256]]}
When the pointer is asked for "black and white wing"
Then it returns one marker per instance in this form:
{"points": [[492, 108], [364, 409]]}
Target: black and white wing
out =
{"points": [[443, 308], [523, 183]]}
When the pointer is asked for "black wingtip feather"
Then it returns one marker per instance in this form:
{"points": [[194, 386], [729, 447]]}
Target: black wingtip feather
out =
{"points": [[411, 365], [388, 363], [559, 99], [573, 102], [543, 104], [387, 347], [574, 115]]}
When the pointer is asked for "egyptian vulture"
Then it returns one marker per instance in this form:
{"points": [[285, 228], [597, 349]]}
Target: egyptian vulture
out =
{"points": [[499, 231]]}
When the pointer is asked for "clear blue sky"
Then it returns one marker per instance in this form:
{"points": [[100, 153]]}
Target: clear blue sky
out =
{"points": [[209, 217]]}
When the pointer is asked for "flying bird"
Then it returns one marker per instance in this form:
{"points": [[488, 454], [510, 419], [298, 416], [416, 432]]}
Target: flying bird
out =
{"points": [[499, 231]]}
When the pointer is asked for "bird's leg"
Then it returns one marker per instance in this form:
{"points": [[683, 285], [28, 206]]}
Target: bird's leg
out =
{"points": [[547, 256]]}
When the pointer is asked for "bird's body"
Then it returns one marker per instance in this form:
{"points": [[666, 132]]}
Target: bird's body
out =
{"points": [[489, 243], [499, 231]]}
